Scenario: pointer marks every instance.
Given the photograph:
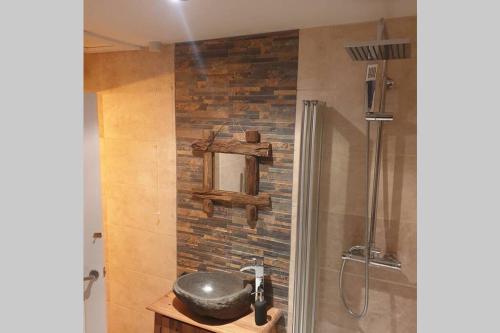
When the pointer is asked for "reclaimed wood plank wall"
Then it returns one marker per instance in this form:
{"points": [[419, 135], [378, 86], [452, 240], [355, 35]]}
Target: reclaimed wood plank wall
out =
{"points": [[247, 82]]}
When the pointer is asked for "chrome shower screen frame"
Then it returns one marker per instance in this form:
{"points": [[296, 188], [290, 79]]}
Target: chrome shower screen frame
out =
{"points": [[306, 233]]}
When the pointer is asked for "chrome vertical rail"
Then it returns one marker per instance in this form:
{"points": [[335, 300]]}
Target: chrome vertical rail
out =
{"points": [[378, 149], [307, 220]]}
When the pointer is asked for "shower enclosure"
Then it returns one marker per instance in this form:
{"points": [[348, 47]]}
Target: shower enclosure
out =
{"points": [[324, 160]]}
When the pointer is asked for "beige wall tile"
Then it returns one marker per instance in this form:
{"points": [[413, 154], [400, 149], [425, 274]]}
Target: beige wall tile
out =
{"points": [[399, 239], [128, 70], [398, 188], [343, 182], [167, 167], [135, 290], [337, 233], [122, 319], [137, 115], [130, 162], [125, 320], [400, 136], [146, 321], [315, 61], [138, 206], [142, 251]]}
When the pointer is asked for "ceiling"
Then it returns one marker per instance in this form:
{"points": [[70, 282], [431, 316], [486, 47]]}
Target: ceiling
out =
{"points": [[113, 25]]}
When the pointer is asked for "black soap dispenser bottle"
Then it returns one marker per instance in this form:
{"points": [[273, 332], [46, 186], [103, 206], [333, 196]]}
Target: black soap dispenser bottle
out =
{"points": [[260, 309]]}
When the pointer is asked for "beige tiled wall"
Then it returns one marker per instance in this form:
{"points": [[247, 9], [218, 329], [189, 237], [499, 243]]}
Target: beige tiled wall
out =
{"points": [[326, 73], [137, 136]]}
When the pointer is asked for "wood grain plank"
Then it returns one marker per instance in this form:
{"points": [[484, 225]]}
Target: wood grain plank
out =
{"points": [[174, 326], [234, 198], [233, 147], [158, 322], [252, 136], [208, 207], [173, 310], [251, 173], [208, 171], [251, 211]]}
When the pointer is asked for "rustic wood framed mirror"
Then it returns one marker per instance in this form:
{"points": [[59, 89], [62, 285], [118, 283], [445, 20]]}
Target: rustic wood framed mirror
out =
{"points": [[228, 167]]}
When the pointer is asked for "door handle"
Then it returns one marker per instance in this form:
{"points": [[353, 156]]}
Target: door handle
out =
{"points": [[93, 275]]}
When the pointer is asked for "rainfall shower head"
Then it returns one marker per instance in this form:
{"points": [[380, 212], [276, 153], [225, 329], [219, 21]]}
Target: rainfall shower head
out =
{"points": [[384, 49]]}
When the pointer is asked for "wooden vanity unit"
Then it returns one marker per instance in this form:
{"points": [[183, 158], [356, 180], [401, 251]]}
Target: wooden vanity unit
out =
{"points": [[172, 316]]}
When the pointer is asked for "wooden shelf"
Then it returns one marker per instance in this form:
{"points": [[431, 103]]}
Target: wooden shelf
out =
{"points": [[172, 308], [233, 147], [234, 198]]}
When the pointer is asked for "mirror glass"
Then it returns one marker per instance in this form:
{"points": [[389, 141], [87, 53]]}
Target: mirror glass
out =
{"points": [[229, 172]]}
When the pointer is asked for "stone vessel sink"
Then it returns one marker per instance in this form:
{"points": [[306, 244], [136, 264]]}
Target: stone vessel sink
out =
{"points": [[214, 294]]}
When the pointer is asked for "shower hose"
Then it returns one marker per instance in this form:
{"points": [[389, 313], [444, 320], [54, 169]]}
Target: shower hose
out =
{"points": [[367, 286]]}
